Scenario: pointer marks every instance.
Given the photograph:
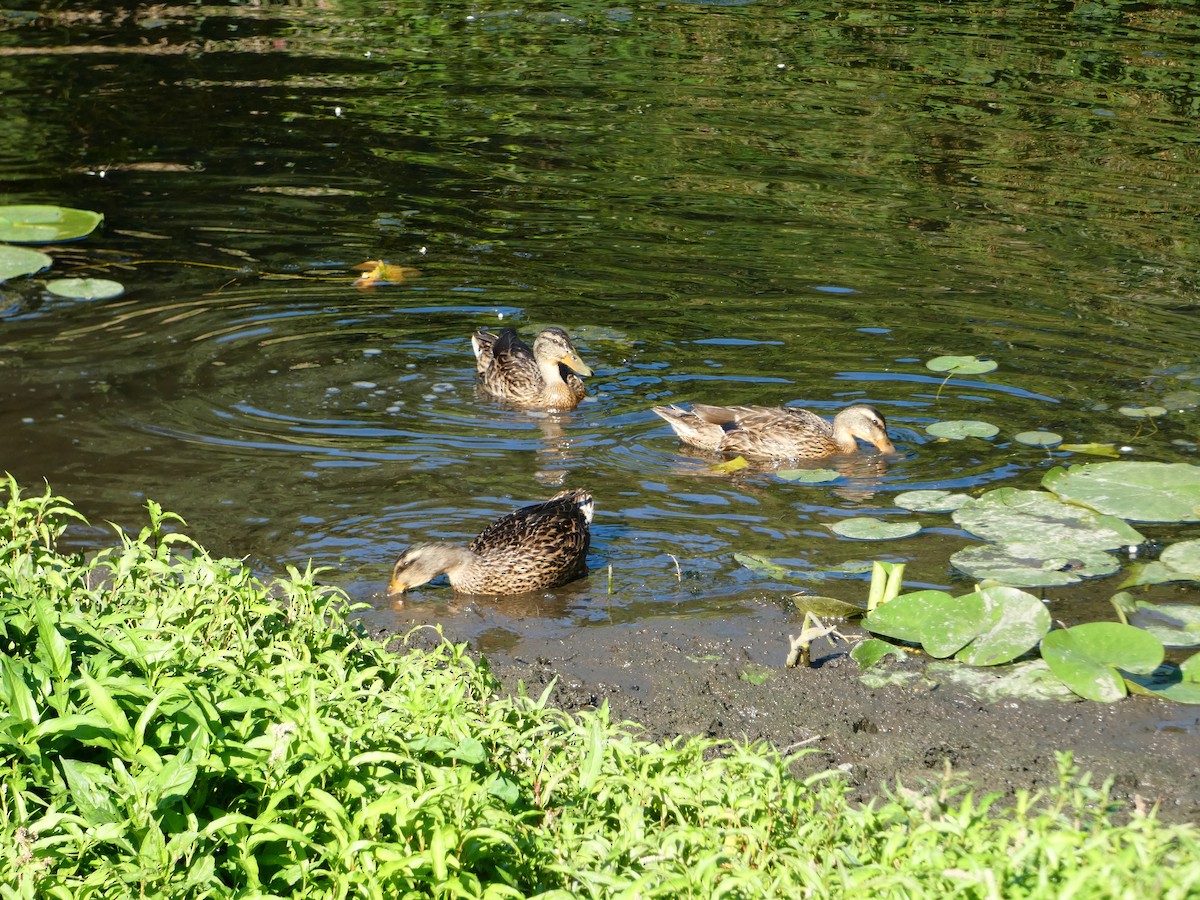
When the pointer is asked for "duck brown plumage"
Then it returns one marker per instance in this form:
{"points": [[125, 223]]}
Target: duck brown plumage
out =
{"points": [[777, 432], [536, 547], [543, 377]]}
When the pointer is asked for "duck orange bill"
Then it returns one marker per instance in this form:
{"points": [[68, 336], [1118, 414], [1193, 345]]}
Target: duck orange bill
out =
{"points": [[572, 361]]}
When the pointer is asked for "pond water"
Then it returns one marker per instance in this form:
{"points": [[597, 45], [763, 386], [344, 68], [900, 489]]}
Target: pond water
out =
{"points": [[755, 202]]}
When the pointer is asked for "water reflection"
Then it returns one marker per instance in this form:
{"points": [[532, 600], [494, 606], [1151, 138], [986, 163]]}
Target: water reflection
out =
{"points": [[742, 202]]}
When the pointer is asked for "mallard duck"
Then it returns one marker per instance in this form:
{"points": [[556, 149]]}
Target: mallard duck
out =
{"points": [[510, 371], [777, 432], [536, 547]]}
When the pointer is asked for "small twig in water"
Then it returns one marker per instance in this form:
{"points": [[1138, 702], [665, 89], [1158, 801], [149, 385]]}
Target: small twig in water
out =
{"points": [[678, 571]]}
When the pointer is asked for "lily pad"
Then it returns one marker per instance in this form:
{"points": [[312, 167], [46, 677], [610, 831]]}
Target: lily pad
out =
{"points": [[763, 566], [930, 501], [868, 528], [85, 288], [1168, 682], [1088, 656], [1181, 399], [1022, 565], [1141, 491], [1175, 624], [38, 224], [15, 261], [809, 476], [957, 429], [1038, 438], [1142, 412], [827, 607], [961, 365], [869, 652], [1014, 622], [1012, 516], [1178, 562], [938, 622]]}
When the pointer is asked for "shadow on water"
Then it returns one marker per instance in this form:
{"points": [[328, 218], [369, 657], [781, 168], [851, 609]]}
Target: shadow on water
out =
{"points": [[732, 204]]}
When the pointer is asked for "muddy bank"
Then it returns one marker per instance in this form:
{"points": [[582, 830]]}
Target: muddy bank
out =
{"points": [[674, 677]]}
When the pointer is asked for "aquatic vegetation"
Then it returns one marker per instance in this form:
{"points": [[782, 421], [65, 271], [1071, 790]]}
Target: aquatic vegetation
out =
{"points": [[44, 224]]}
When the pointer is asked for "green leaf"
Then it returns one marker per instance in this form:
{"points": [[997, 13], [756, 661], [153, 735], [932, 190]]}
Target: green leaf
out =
{"points": [[869, 528], [1038, 438], [45, 224], [938, 622], [809, 476], [762, 565], [1175, 624], [92, 791], [85, 288], [15, 693], [1092, 449], [1141, 412], [1141, 491], [52, 649], [15, 261], [961, 365], [1025, 680], [1178, 562], [826, 607], [1167, 682], [958, 429], [1087, 657], [1014, 622], [1009, 515], [930, 501], [107, 707], [1021, 565], [869, 652], [730, 465]]}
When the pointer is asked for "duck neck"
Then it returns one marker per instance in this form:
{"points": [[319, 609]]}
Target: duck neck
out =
{"points": [[558, 391], [844, 438], [459, 564]]}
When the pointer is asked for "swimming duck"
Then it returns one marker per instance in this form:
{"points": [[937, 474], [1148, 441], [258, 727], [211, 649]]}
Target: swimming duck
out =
{"points": [[777, 432], [510, 371], [535, 547]]}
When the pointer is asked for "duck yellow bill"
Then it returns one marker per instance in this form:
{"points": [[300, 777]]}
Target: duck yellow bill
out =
{"points": [[883, 445], [572, 361]]}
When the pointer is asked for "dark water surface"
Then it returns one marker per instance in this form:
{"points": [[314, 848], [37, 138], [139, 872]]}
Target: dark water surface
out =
{"points": [[762, 202]]}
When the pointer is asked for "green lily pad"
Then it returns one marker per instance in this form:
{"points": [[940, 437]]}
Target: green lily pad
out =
{"points": [[930, 501], [938, 622], [1175, 624], [1168, 682], [1011, 516], [45, 224], [1178, 562], [809, 476], [1088, 656], [763, 566], [15, 261], [1141, 412], [1014, 622], [85, 288], [1141, 491], [957, 429], [961, 365], [868, 528], [869, 652], [1038, 438], [1022, 565], [827, 607]]}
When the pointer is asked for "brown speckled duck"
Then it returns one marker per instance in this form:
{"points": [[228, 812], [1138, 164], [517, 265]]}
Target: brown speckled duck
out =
{"points": [[777, 432], [537, 378], [533, 548]]}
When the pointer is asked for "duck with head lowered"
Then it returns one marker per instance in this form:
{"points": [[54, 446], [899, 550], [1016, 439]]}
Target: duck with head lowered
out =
{"points": [[777, 432], [540, 546], [542, 378]]}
